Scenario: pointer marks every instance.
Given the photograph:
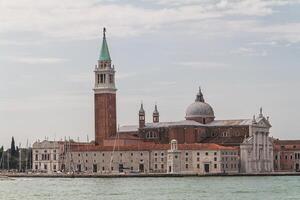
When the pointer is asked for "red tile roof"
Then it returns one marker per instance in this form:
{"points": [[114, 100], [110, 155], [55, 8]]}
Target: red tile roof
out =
{"points": [[147, 146]]}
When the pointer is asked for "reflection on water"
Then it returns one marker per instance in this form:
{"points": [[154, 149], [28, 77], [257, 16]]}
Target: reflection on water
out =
{"points": [[226, 188]]}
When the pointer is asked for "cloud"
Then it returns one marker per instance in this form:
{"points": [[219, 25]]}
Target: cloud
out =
{"points": [[202, 65], [121, 75], [249, 52], [83, 19], [36, 60]]}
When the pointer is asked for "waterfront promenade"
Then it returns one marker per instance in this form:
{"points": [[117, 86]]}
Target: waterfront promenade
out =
{"points": [[141, 175]]}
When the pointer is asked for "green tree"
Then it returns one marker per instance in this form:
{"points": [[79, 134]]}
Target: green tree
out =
{"points": [[13, 147]]}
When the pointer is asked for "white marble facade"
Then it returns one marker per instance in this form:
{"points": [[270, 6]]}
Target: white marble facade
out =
{"points": [[257, 150]]}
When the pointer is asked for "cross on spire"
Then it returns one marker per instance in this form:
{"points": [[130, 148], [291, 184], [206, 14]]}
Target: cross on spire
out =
{"points": [[104, 31]]}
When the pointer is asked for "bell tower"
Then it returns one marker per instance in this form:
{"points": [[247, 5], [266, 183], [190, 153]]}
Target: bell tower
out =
{"points": [[105, 96]]}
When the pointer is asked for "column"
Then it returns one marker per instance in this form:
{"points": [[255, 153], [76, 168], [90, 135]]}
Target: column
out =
{"points": [[253, 163], [268, 153], [265, 151], [257, 152]]}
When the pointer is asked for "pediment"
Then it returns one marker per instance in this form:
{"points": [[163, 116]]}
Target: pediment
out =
{"points": [[263, 122]]}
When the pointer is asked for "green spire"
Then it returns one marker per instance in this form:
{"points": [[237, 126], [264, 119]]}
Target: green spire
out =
{"points": [[104, 54]]}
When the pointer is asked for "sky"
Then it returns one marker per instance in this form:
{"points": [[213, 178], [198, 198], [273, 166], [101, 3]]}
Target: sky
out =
{"points": [[243, 53]]}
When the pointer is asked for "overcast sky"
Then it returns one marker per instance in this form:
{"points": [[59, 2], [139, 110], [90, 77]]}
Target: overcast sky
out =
{"points": [[244, 54]]}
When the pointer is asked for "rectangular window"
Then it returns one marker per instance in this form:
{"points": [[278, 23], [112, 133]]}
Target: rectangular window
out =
{"points": [[186, 166], [215, 159], [54, 157], [162, 166], [155, 166], [36, 157], [216, 166], [198, 166]]}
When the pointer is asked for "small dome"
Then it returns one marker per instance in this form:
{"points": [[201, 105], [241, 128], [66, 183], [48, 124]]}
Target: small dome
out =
{"points": [[199, 109]]}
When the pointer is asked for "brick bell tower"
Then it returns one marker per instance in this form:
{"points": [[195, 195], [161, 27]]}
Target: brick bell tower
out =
{"points": [[105, 96]]}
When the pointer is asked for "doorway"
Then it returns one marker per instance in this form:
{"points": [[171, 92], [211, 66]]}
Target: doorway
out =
{"points": [[141, 168], [79, 168], [95, 168], [206, 168]]}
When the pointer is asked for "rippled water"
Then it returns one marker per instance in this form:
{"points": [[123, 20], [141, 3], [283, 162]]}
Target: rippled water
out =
{"points": [[226, 188]]}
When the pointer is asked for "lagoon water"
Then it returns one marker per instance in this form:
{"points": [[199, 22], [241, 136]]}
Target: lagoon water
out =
{"points": [[208, 188]]}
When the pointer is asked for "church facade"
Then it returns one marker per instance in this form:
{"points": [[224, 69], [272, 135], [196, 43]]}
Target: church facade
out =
{"points": [[199, 143]]}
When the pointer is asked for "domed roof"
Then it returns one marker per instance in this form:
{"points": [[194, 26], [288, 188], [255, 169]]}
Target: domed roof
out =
{"points": [[199, 108]]}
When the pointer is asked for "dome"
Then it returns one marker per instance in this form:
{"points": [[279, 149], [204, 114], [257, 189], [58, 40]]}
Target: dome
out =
{"points": [[199, 109]]}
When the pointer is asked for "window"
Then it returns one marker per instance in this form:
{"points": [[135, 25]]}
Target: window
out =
{"points": [[141, 154], [45, 167], [162, 166], [215, 153], [102, 78], [155, 166], [111, 78], [54, 157], [162, 154], [176, 157], [186, 153], [102, 154], [198, 159], [198, 166], [186, 159], [54, 167], [215, 159], [186, 166], [103, 168], [155, 154], [36, 157], [206, 153], [36, 167], [162, 159], [155, 159], [198, 153], [131, 154], [215, 166]]}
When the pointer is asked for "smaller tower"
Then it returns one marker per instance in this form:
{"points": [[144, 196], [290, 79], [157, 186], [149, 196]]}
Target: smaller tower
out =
{"points": [[174, 158], [142, 117], [155, 115]]}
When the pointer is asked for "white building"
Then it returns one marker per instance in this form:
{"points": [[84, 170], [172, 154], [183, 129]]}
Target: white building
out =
{"points": [[47, 156], [257, 149]]}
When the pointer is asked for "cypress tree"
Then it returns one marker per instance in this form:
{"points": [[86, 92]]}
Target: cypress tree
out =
{"points": [[13, 147]]}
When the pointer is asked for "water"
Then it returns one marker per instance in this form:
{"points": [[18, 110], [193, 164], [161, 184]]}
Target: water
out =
{"points": [[225, 188]]}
